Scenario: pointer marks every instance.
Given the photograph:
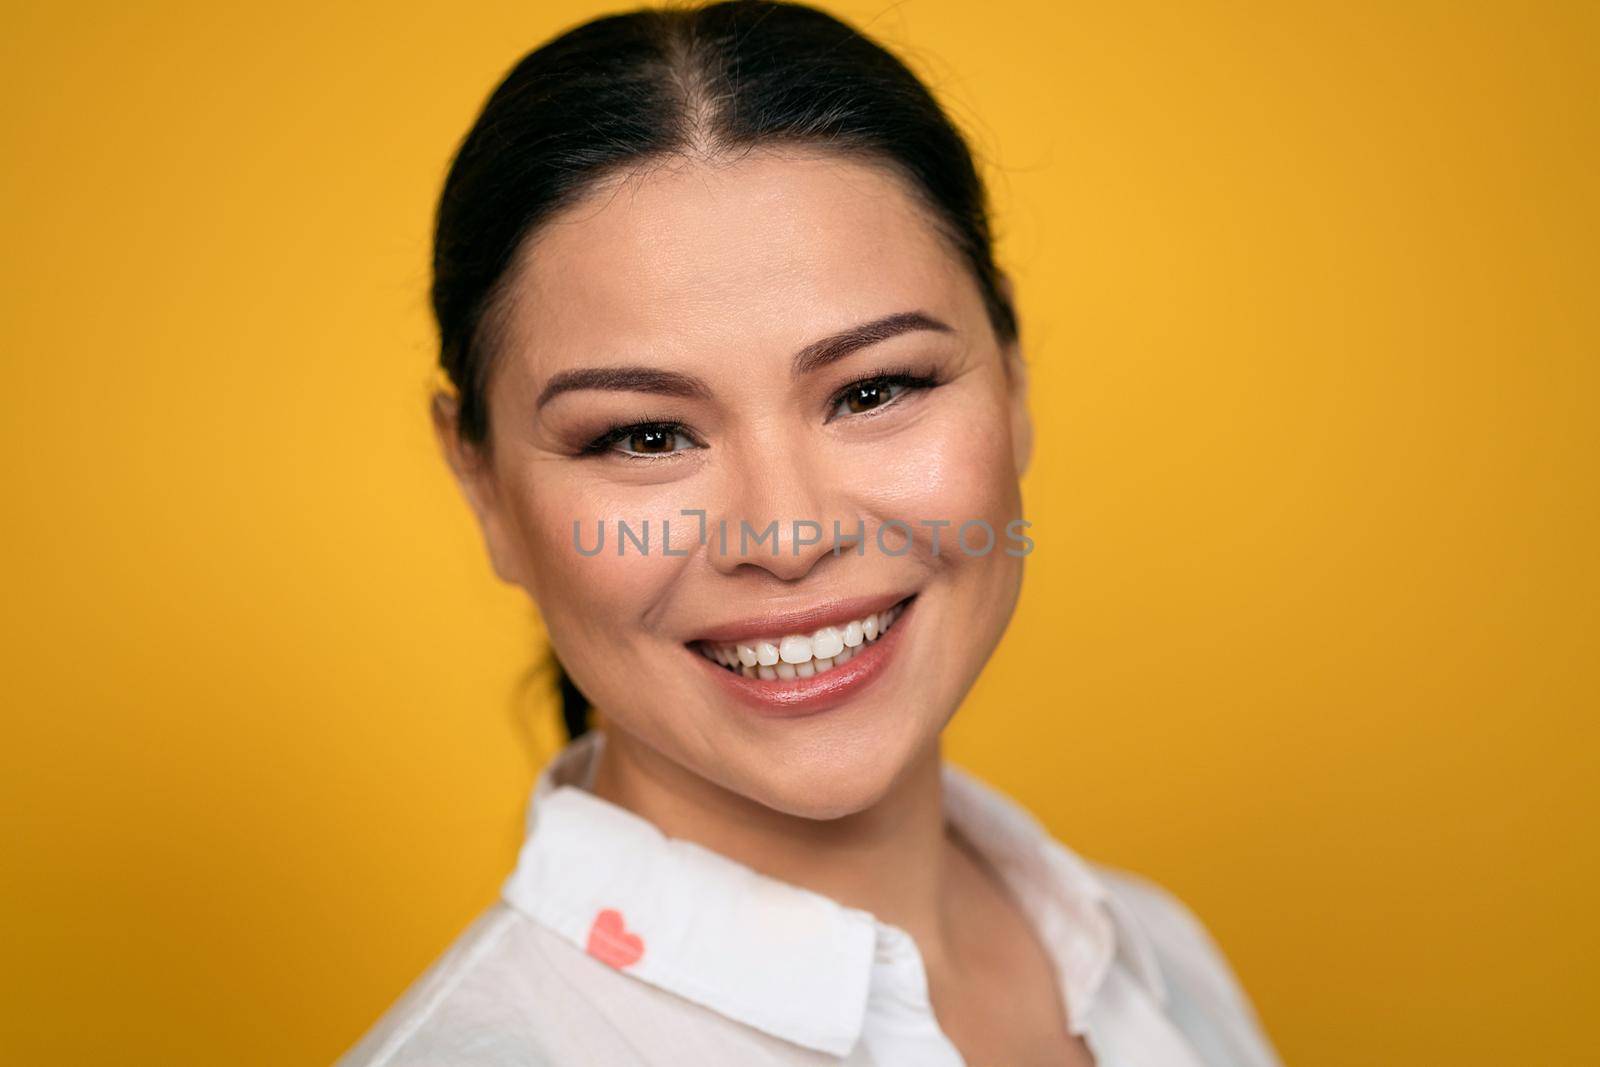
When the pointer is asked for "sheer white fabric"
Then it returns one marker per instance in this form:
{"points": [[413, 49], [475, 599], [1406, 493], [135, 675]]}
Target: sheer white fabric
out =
{"points": [[615, 945]]}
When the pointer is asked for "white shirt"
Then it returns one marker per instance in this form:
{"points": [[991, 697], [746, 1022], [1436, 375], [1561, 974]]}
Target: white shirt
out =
{"points": [[616, 945]]}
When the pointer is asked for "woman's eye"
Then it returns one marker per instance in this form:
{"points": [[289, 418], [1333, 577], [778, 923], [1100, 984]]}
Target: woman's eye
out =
{"points": [[858, 398], [867, 395], [652, 441], [645, 439]]}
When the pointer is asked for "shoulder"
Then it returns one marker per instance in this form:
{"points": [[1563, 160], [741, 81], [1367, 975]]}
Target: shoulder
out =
{"points": [[435, 996], [1202, 992], [1185, 948], [505, 992]]}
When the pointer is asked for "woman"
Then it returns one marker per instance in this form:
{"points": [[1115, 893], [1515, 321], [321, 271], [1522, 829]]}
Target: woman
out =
{"points": [[737, 398]]}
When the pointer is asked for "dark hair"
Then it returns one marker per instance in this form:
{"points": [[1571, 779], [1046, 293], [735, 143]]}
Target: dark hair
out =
{"points": [[611, 94]]}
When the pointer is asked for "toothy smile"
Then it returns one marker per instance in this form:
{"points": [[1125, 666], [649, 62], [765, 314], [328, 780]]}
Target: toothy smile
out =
{"points": [[800, 655]]}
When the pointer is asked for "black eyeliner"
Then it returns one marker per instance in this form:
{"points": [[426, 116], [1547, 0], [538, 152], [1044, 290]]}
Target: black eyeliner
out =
{"points": [[901, 376]]}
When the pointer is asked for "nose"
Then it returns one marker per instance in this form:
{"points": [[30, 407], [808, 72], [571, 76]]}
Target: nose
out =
{"points": [[781, 514]]}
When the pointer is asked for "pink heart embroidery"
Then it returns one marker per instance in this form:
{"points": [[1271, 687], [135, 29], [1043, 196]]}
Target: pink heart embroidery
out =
{"points": [[611, 943]]}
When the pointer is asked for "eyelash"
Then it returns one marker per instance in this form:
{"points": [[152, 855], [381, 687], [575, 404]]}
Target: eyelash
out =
{"points": [[607, 441], [905, 380]]}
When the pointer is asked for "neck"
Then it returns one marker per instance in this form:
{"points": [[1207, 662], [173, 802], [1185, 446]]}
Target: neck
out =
{"points": [[894, 859]]}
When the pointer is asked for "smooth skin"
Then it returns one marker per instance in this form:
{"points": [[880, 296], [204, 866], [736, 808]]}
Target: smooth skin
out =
{"points": [[719, 271]]}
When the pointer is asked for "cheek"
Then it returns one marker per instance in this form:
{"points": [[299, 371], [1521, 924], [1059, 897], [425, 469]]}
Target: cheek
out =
{"points": [[953, 464], [590, 595]]}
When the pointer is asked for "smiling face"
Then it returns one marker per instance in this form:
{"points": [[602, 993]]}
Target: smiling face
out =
{"points": [[773, 339]]}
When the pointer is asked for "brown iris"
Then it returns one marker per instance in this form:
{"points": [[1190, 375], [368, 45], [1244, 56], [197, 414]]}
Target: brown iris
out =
{"points": [[656, 439], [866, 396]]}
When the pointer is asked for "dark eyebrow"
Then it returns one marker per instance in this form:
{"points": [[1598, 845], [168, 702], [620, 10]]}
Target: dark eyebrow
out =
{"points": [[672, 383], [823, 352], [629, 379]]}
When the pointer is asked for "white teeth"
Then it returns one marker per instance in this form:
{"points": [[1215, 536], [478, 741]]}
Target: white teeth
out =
{"points": [[801, 655], [795, 649]]}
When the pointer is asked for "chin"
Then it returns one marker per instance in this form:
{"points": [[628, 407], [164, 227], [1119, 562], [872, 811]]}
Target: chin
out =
{"points": [[833, 779], [823, 805]]}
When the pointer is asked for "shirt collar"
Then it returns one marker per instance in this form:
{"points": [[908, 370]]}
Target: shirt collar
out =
{"points": [[1083, 925], [783, 959]]}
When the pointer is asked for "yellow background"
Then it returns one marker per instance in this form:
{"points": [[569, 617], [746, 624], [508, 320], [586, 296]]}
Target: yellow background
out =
{"points": [[1309, 635]]}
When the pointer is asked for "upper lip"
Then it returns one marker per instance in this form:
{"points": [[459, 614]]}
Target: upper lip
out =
{"points": [[800, 621]]}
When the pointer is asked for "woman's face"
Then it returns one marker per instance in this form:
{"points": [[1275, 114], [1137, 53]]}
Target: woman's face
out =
{"points": [[660, 367]]}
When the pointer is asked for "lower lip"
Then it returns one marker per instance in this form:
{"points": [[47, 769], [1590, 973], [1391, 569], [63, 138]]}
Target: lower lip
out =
{"points": [[807, 696]]}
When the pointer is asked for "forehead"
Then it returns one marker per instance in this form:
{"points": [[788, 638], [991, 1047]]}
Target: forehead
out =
{"points": [[769, 250]]}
